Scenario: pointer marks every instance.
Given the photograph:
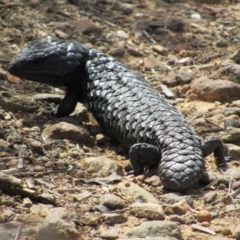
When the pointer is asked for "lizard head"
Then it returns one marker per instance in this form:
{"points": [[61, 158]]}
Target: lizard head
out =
{"points": [[51, 61]]}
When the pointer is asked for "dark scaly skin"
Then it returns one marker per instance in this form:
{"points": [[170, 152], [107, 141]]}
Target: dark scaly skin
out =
{"points": [[124, 104]]}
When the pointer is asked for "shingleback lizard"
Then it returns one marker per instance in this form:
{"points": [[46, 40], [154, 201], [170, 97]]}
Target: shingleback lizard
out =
{"points": [[125, 105]]}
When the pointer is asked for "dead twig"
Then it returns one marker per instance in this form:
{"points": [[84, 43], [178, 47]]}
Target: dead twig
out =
{"points": [[18, 232], [203, 229], [22, 174], [149, 37]]}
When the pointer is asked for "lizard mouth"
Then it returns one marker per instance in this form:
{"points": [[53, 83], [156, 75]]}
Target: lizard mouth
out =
{"points": [[37, 76]]}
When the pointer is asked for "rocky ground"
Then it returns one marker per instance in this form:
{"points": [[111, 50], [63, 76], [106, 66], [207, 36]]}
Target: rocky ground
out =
{"points": [[65, 178]]}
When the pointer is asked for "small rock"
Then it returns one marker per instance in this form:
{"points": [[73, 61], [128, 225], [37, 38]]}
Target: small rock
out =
{"points": [[185, 76], [150, 211], [40, 209], [231, 122], [116, 52], [100, 165], [158, 229], [185, 61], [232, 111], [112, 201], [221, 43], [170, 80], [226, 231], [126, 8], [101, 138], [210, 90], [181, 207], [134, 52], [27, 203], [4, 144], [35, 129], [61, 34], [196, 16], [236, 185], [109, 234], [153, 180], [135, 191], [6, 216], [176, 24], [236, 56], [171, 198], [180, 47], [236, 232], [114, 218], [87, 26], [210, 197], [122, 34], [64, 130], [176, 218], [203, 216], [160, 49], [233, 151], [81, 111], [57, 225], [34, 144], [231, 135], [149, 63], [4, 74], [90, 219]]}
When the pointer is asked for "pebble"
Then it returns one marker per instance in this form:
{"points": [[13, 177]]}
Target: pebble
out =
{"points": [[116, 52], [231, 122], [90, 219], [100, 166], [170, 80], [150, 63], [196, 16], [203, 216], [109, 234], [102, 138], [134, 191], [6, 215], [150, 211], [158, 229], [233, 151], [231, 135], [134, 52], [34, 144], [221, 43], [185, 76], [87, 26], [210, 90], [176, 24], [210, 197], [232, 111], [180, 207], [236, 231], [4, 144], [27, 203], [160, 49], [64, 130], [122, 34], [171, 198], [114, 218], [112, 201], [153, 181], [57, 225], [80, 111]]}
